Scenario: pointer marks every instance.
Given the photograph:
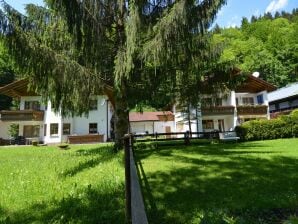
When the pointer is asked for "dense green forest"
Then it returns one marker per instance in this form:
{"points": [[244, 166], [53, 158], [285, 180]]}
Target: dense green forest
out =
{"points": [[267, 44], [6, 76]]}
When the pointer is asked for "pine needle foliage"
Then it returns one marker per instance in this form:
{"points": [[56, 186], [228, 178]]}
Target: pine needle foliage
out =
{"points": [[150, 51]]}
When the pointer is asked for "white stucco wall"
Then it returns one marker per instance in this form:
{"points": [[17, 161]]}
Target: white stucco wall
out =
{"points": [[151, 126], [79, 125], [228, 122], [4, 127]]}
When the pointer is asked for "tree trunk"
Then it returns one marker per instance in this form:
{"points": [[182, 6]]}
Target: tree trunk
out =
{"points": [[121, 105], [121, 118], [189, 121]]}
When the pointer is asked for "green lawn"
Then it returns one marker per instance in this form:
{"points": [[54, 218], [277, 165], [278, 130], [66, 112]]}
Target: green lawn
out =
{"points": [[252, 182], [84, 184]]}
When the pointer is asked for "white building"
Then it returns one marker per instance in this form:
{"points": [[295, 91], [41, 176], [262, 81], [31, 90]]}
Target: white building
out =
{"points": [[39, 122], [152, 122], [226, 111], [223, 113], [283, 100]]}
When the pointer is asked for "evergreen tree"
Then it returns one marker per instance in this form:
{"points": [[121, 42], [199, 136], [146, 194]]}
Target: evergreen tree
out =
{"points": [[141, 48], [6, 76]]}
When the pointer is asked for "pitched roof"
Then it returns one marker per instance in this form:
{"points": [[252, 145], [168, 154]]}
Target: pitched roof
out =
{"points": [[19, 88], [151, 116], [285, 92]]}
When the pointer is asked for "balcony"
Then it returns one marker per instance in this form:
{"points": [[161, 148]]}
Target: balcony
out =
{"points": [[252, 110], [21, 115], [218, 110]]}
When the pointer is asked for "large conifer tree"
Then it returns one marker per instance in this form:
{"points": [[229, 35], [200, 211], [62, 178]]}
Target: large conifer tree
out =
{"points": [[146, 49]]}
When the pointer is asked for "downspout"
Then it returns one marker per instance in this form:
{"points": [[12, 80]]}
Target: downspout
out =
{"points": [[107, 102]]}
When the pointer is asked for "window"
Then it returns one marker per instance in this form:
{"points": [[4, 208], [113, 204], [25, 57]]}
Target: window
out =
{"points": [[206, 102], [260, 99], [31, 131], [208, 124], [92, 128], [54, 129], [218, 102], [237, 101], [93, 105], [66, 129], [248, 100], [284, 105], [32, 105], [45, 130], [209, 102]]}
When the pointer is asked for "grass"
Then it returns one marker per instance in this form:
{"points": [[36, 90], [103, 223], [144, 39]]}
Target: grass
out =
{"points": [[252, 182], [84, 184]]}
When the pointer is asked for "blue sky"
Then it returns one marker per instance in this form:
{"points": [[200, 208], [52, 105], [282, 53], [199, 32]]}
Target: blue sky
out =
{"points": [[230, 15]]}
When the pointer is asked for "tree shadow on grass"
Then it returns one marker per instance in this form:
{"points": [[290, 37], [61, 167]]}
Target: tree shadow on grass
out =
{"points": [[97, 156], [250, 189], [225, 149], [87, 205]]}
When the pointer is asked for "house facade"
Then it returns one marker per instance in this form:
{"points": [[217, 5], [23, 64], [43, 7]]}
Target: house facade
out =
{"points": [[39, 122], [283, 100], [152, 122], [225, 111]]}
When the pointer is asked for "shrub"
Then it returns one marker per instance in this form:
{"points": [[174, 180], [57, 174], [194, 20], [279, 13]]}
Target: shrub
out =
{"points": [[13, 130], [283, 127]]}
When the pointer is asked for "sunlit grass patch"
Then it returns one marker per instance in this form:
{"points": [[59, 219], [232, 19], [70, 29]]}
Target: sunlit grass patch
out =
{"points": [[83, 184], [253, 182]]}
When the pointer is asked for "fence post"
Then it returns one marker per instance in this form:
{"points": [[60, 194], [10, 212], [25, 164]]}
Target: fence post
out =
{"points": [[186, 138], [127, 145]]}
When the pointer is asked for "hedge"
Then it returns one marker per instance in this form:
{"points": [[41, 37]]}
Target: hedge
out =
{"points": [[285, 126]]}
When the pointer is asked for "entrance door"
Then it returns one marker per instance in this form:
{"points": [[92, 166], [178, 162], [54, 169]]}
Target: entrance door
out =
{"points": [[168, 130], [221, 125]]}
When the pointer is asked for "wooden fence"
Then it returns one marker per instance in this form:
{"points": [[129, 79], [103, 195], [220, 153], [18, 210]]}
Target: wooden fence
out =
{"points": [[186, 136], [134, 207]]}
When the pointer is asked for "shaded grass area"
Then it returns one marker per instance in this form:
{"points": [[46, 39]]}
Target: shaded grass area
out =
{"points": [[254, 182], [84, 184]]}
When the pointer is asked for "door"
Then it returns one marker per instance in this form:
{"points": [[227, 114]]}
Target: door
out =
{"points": [[221, 125]]}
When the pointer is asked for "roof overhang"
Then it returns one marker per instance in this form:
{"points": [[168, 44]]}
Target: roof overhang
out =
{"points": [[20, 88], [17, 89], [254, 85]]}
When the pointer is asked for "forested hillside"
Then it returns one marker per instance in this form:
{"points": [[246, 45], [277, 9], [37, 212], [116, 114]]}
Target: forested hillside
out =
{"points": [[6, 76], [268, 45]]}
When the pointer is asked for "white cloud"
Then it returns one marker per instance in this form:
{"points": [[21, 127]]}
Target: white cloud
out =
{"points": [[276, 5], [233, 22]]}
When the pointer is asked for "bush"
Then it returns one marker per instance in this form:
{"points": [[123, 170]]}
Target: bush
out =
{"points": [[283, 127], [13, 130]]}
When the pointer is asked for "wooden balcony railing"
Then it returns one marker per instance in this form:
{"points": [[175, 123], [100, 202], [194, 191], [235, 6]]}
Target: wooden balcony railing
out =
{"points": [[218, 110], [252, 110], [21, 115]]}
